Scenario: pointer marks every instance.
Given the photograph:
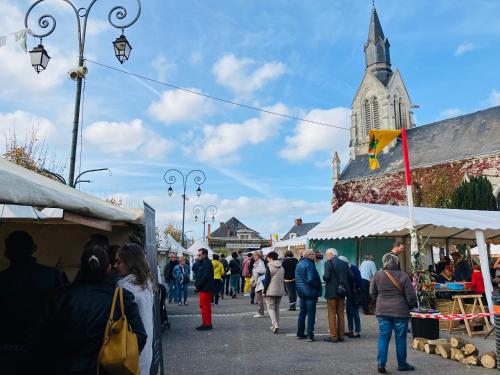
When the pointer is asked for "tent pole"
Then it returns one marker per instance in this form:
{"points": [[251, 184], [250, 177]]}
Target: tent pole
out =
{"points": [[409, 195], [485, 269]]}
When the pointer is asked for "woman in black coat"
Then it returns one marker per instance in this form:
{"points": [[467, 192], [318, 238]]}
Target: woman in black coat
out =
{"points": [[82, 310]]}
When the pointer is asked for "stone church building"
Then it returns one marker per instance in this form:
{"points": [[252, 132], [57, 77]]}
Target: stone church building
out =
{"points": [[442, 154]]}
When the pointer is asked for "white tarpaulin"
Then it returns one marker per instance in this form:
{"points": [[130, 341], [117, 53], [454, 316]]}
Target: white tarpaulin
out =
{"points": [[23, 187], [193, 249], [172, 245], [297, 241], [368, 220]]}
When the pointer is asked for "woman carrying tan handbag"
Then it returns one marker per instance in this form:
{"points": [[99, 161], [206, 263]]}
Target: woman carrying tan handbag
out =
{"points": [[83, 312]]}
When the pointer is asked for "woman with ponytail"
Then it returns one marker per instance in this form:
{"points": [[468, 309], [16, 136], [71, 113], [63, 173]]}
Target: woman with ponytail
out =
{"points": [[131, 263], [82, 310]]}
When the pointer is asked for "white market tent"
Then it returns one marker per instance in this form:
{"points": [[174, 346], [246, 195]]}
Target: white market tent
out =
{"points": [[193, 249], [20, 186], [172, 245], [354, 220], [297, 241]]}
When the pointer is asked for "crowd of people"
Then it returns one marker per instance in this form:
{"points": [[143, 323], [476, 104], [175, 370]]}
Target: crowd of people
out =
{"points": [[267, 279], [51, 326]]}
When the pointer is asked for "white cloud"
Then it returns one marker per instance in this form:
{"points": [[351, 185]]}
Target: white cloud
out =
{"points": [[163, 67], [464, 48], [22, 124], [494, 98], [95, 27], [265, 215], [451, 112], [235, 73], [180, 106], [225, 140], [119, 138], [310, 138]]}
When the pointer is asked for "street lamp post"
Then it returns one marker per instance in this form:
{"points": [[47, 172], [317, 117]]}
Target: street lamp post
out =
{"points": [[62, 180], [212, 210], [198, 178], [40, 57]]}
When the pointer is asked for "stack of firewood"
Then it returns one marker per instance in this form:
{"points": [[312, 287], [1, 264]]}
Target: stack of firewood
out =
{"points": [[456, 349]]}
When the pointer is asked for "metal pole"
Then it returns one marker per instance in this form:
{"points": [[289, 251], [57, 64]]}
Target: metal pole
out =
{"points": [[183, 214], [76, 121]]}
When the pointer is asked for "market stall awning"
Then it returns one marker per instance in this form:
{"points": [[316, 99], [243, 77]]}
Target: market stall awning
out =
{"points": [[20, 186], [370, 220], [193, 249], [297, 241], [172, 245]]}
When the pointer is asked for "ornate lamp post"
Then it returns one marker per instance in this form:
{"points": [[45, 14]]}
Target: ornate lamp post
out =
{"points": [[198, 178], [40, 57], [212, 210]]}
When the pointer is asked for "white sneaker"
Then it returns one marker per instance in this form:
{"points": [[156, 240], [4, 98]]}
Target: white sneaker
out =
{"points": [[246, 295], [258, 316]]}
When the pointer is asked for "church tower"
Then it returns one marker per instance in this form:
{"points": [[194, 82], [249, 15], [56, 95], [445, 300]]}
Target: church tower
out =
{"points": [[382, 101]]}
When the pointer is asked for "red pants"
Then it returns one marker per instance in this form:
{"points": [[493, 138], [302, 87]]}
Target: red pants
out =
{"points": [[206, 308]]}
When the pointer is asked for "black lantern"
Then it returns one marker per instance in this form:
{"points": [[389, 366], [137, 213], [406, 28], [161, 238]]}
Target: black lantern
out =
{"points": [[39, 58], [213, 218], [196, 218], [170, 191], [198, 191], [122, 48]]}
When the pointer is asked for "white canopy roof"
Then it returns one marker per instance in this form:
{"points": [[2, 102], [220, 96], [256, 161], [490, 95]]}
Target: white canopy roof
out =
{"points": [[363, 220], [12, 211], [297, 241], [21, 186], [172, 245], [193, 249]]}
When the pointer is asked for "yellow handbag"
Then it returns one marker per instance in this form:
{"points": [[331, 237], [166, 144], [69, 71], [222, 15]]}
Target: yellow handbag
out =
{"points": [[119, 354]]}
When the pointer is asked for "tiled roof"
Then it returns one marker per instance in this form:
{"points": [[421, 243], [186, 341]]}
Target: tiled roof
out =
{"points": [[300, 230], [230, 229], [457, 138]]}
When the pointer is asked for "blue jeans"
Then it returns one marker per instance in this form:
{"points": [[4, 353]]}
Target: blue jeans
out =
{"points": [[171, 291], [352, 312], [181, 290], [234, 283], [307, 308], [386, 325]]}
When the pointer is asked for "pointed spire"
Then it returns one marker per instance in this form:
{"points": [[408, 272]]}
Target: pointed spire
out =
{"points": [[375, 27], [377, 54], [336, 167]]}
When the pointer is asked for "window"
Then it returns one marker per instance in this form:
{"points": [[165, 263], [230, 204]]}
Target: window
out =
{"points": [[293, 235], [402, 117], [367, 116], [396, 114], [376, 118]]}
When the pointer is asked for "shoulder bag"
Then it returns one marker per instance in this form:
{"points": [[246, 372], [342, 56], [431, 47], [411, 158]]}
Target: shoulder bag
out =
{"points": [[396, 284], [119, 352]]}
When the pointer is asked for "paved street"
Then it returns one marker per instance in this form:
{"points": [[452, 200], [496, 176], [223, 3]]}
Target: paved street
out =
{"points": [[241, 344]]}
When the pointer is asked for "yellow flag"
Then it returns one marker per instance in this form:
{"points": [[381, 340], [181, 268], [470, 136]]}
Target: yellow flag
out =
{"points": [[378, 140]]}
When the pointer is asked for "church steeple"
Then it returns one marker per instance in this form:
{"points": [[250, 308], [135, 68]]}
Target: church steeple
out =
{"points": [[377, 55]]}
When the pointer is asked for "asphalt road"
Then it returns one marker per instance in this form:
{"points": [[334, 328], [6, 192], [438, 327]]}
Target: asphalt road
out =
{"points": [[243, 345]]}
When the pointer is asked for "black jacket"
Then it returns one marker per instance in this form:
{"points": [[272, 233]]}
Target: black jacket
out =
{"points": [[225, 264], [205, 276], [289, 265], [337, 271], [78, 321], [25, 288], [168, 272], [234, 266]]}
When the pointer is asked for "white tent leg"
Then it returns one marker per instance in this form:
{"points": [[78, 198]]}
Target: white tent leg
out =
{"points": [[485, 269]]}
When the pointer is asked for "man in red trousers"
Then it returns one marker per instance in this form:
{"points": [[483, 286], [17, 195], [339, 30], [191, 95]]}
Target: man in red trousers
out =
{"points": [[205, 285]]}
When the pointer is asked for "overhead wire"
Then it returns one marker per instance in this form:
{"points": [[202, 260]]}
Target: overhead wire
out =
{"points": [[227, 101]]}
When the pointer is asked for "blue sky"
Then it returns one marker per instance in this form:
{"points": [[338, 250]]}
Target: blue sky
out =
{"points": [[301, 58]]}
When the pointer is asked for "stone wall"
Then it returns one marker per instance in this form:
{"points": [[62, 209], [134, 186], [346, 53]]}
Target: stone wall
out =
{"points": [[432, 185]]}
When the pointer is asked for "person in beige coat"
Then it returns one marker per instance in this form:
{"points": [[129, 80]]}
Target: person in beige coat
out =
{"points": [[274, 288]]}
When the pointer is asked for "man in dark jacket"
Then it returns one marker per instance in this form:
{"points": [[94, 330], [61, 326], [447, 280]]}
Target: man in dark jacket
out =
{"points": [[463, 270], [168, 274], [309, 289], [25, 288], [338, 279], [225, 277], [205, 285], [289, 265]]}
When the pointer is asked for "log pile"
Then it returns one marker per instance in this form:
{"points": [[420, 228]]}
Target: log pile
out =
{"points": [[456, 349]]}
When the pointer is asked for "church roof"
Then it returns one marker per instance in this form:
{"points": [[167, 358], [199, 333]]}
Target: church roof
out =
{"points": [[230, 229], [456, 138]]}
